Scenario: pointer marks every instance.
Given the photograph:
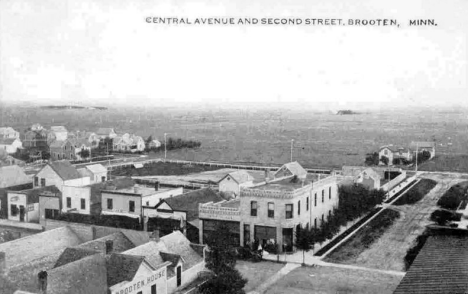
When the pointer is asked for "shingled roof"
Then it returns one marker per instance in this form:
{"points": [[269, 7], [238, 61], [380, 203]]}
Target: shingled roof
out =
{"points": [[65, 170], [294, 168], [121, 267], [440, 267], [73, 254], [120, 243], [13, 175], [240, 176], [188, 202]]}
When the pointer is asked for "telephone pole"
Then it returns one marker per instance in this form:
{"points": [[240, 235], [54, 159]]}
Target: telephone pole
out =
{"points": [[292, 142]]}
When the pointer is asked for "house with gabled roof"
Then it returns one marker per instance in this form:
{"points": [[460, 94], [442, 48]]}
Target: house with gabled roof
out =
{"points": [[60, 132], [423, 146], [234, 181], [291, 169], [97, 172], [394, 153], [60, 150], [12, 178], [10, 145], [60, 173], [106, 133], [9, 133]]}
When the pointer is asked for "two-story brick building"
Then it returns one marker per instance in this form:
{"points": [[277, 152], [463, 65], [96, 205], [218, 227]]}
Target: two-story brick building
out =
{"points": [[271, 211]]}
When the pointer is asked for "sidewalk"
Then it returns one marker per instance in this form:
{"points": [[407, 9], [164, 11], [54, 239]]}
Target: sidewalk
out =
{"points": [[273, 279]]}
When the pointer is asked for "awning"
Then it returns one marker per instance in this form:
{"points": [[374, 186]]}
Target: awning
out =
{"points": [[120, 213]]}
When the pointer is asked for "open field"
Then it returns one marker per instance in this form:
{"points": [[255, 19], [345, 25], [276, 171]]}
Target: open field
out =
{"points": [[417, 192], [257, 273], [305, 280], [453, 163], [320, 139], [388, 252]]}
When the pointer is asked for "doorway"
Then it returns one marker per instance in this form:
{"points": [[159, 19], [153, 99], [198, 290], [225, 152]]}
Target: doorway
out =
{"points": [[22, 213]]}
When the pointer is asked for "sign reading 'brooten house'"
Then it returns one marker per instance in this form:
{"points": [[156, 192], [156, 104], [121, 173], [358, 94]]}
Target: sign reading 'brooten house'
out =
{"points": [[138, 285]]}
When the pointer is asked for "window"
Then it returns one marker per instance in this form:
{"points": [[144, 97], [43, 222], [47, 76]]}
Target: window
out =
{"points": [[307, 204], [153, 289], [83, 203], [131, 206], [385, 152], [43, 182], [315, 222], [36, 181], [68, 202], [103, 179], [329, 192], [289, 210], [323, 218], [179, 276], [271, 209], [253, 208], [246, 234], [109, 204], [299, 207], [315, 199], [147, 203], [323, 196], [329, 214]]}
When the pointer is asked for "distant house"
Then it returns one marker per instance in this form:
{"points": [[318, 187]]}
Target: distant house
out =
{"points": [[122, 143], [59, 173], [24, 205], [91, 137], [289, 169], [35, 139], [394, 153], [10, 145], [60, 132], [79, 146], [36, 127], [60, 150], [9, 133], [97, 172], [106, 133], [234, 181], [370, 178], [138, 144], [423, 146], [154, 144]]}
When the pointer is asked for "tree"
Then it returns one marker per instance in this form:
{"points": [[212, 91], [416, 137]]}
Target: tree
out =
{"points": [[221, 260], [372, 159], [84, 153], [303, 241], [384, 160]]}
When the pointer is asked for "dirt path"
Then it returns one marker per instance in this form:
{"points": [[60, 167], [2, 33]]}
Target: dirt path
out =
{"points": [[388, 252], [282, 272]]}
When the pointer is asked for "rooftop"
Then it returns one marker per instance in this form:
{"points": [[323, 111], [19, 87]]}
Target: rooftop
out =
{"points": [[288, 183], [142, 190], [65, 170], [188, 202], [13, 175], [97, 168], [7, 141], [119, 240], [440, 267]]}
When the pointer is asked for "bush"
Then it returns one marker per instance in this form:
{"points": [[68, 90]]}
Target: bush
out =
{"points": [[417, 192], [443, 217], [414, 251], [116, 221], [454, 196]]}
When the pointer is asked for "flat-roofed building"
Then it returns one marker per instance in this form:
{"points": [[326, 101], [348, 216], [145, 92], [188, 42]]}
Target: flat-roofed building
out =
{"points": [[130, 201], [271, 211]]}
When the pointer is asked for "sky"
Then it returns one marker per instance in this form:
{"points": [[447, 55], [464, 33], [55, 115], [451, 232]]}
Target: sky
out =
{"points": [[105, 53]]}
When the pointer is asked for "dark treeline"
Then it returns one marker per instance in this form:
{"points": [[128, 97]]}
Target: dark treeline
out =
{"points": [[354, 202]]}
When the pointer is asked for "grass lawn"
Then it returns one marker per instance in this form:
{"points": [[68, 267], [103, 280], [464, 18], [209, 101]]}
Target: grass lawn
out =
{"points": [[334, 280], [362, 240], [163, 169], [452, 163], [417, 192], [257, 272]]}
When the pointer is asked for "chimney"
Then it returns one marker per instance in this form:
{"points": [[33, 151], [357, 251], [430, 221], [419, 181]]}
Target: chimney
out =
{"points": [[2, 263], [156, 186], [155, 236], [42, 279], [109, 246]]}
